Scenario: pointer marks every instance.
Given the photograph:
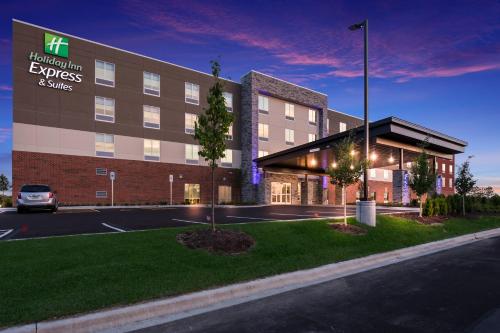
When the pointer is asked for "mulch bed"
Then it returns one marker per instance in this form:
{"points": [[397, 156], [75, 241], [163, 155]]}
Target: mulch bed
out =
{"points": [[221, 241], [424, 219], [348, 229]]}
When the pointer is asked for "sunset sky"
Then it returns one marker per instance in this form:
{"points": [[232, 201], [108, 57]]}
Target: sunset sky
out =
{"points": [[436, 63]]}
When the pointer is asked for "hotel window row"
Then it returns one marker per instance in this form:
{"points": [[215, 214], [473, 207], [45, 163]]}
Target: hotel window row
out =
{"points": [[263, 106], [105, 75], [263, 133], [105, 147]]}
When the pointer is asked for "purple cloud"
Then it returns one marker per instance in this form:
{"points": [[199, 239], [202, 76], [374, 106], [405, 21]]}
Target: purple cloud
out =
{"points": [[404, 46]]}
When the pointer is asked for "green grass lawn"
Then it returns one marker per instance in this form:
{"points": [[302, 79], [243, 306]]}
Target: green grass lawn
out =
{"points": [[48, 278]]}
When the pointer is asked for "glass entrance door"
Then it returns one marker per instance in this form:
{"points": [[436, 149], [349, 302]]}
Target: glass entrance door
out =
{"points": [[281, 193]]}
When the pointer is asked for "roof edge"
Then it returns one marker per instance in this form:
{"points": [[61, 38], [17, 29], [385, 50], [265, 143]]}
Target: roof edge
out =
{"points": [[346, 114], [118, 49], [275, 78], [421, 128]]}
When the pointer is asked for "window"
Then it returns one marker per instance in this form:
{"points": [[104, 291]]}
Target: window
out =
{"points": [[408, 165], [101, 194], [386, 195], [386, 174], [101, 171], [436, 167], [451, 169], [443, 167], [189, 121], [342, 127], [227, 160], [373, 173], [328, 125], [289, 111], [151, 84], [312, 137], [151, 115], [229, 135], [443, 182], [104, 109], [104, 145], [312, 117], [224, 194], [151, 150], [191, 194], [228, 99], [450, 182], [192, 93], [263, 153], [263, 132], [289, 136], [192, 154], [104, 73], [263, 104]]}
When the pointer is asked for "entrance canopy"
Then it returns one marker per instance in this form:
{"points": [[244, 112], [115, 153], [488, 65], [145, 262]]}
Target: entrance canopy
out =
{"points": [[393, 141]]}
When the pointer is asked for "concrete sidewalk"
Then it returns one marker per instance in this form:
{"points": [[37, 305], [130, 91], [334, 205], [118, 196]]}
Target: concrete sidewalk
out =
{"points": [[174, 308]]}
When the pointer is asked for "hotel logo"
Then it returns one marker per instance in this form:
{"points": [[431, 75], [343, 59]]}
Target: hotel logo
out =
{"points": [[56, 45]]}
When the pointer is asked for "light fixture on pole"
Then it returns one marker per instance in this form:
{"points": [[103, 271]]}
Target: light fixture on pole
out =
{"points": [[364, 25]]}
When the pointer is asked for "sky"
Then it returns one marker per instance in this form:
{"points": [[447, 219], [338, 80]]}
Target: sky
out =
{"points": [[435, 63]]}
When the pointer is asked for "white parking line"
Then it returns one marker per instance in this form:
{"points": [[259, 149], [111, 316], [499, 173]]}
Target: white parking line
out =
{"points": [[114, 228], [250, 218], [187, 221], [4, 233], [285, 214]]}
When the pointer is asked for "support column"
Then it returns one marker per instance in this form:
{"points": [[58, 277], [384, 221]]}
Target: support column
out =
{"points": [[400, 189], [304, 191]]}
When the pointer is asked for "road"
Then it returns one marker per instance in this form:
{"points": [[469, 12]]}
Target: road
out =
{"points": [[452, 291], [89, 221]]}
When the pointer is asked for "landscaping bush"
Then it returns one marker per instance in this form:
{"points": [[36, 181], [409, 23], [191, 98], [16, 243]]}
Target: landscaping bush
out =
{"points": [[452, 205], [6, 202]]}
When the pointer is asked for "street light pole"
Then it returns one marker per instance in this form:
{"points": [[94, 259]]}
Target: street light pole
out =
{"points": [[364, 25]]}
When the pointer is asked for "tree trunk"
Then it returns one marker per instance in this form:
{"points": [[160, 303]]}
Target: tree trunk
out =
{"points": [[420, 211], [213, 199], [345, 205], [463, 205]]}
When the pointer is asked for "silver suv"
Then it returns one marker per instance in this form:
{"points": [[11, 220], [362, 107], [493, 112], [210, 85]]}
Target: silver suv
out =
{"points": [[36, 196]]}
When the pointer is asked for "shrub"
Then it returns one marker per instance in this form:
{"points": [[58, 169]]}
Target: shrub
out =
{"points": [[6, 202]]}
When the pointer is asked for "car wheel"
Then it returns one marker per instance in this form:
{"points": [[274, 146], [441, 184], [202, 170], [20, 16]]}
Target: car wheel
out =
{"points": [[20, 210]]}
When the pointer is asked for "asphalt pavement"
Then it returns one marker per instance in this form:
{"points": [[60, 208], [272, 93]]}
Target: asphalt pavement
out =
{"points": [[453, 291], [37, 224]]}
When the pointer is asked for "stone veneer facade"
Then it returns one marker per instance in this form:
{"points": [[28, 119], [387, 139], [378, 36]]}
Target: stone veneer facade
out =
{"points": [[254, 83]]}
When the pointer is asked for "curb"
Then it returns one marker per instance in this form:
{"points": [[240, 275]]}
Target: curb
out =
{"points": [[173, 308]]}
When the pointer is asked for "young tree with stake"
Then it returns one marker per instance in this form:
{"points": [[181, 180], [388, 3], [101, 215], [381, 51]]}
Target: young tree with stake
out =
{"points": [[346, 170], [465, 182], [422, 178], [212, 127]]}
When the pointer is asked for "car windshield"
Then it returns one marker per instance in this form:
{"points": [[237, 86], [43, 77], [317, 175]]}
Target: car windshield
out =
{"points": [[35, 188]]}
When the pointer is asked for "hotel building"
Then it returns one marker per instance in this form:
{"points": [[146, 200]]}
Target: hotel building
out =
{"points": [[82, 110]]}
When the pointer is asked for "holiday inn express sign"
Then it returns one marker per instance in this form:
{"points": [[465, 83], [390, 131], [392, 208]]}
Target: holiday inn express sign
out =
{"points": [[55, 73]]}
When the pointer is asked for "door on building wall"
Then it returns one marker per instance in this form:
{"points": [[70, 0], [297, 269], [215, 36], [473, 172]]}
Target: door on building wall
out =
{"points": [[224, 194], [281, 193]]}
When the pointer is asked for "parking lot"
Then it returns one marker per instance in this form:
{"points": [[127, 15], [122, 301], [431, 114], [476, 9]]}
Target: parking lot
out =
{"points": [[104, 220]]}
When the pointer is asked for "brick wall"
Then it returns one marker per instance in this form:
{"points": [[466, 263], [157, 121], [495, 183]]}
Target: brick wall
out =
{"points": [[75, 180]]}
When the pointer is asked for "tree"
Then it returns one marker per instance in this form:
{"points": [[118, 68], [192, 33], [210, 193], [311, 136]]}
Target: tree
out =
{"points": [[422, 178], [483, 192], [4, 184], [347, 169], [464, 182], [212, 127]]}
